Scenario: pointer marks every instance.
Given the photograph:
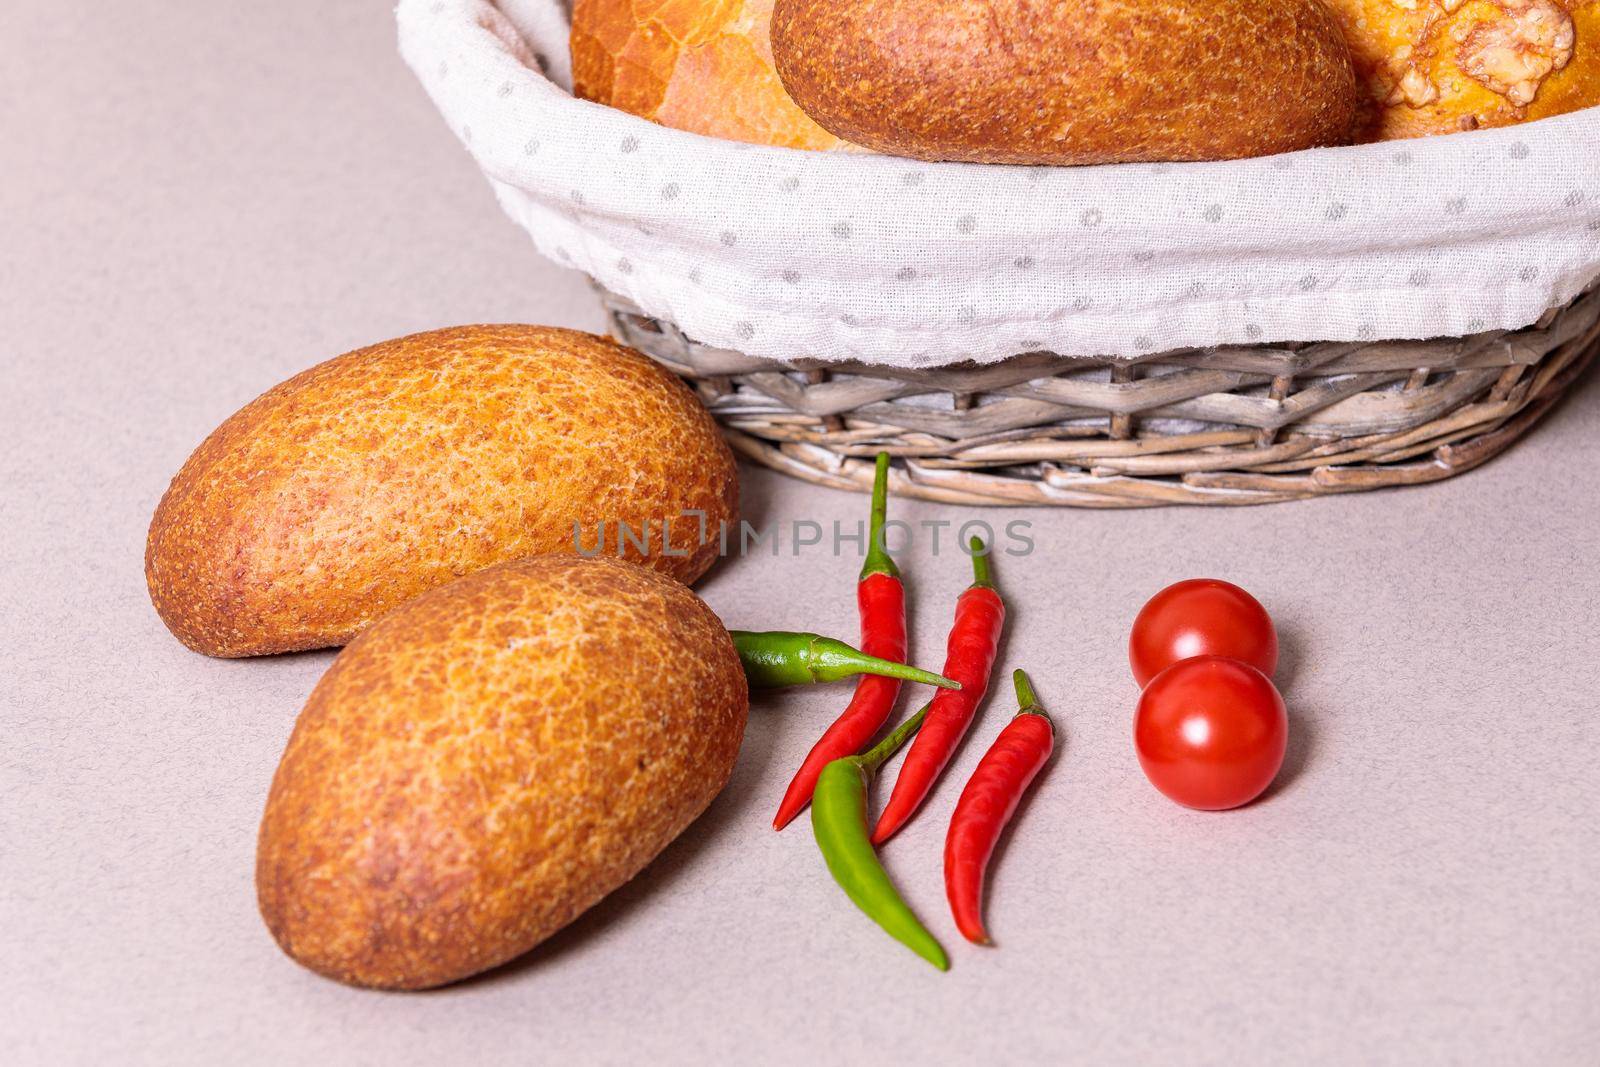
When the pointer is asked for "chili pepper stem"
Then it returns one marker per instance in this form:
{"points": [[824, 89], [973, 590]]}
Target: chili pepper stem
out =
{"points": [[1027, 701], [831, 660], [878, 560], [981, 576], [878, 754]]}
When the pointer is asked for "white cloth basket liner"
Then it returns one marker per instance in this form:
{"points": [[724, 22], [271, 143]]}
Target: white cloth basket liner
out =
{"points": [[839, 255]]}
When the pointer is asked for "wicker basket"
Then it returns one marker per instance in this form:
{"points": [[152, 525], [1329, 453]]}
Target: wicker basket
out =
{"points": [[1237, 425], [855, 256]]}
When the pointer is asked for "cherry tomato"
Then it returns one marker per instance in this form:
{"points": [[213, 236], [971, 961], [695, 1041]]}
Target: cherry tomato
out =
{"points": [[1201, 617], [1210, 732]]}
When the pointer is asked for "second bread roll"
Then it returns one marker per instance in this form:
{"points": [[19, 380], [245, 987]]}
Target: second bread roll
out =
{"points": [[1047, 81]]}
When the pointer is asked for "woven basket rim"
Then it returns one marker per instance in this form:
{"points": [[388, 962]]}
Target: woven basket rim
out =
{"points": [[1274, 424]]}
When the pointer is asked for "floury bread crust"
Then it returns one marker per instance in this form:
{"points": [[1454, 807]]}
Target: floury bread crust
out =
{"points": [[487, 762], [1052, 81], [1439, 66], [352, 487], [699, 65]]}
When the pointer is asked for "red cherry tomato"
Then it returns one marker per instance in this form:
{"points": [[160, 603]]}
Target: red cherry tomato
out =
{"points": [[1210, 732], [1201, 617]]}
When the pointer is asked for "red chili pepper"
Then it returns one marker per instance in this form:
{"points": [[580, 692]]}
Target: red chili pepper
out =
{"points": [[969, 656], [881, 601], [987, 804]]}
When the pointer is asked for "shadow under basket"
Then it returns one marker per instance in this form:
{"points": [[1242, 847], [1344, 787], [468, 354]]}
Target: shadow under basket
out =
{"points": [[1231, 425]]}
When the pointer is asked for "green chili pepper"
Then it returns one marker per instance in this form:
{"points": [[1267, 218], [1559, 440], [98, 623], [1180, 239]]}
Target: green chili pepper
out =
{"points": [[777, 658], [839, 820]]}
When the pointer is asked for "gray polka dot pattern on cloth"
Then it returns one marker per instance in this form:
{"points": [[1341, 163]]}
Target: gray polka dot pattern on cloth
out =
{"points": [[783, 253]]}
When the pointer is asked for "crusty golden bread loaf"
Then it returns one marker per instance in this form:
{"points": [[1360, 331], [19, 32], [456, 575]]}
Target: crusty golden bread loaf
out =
{"points": [[1070, 81], [352, 487], [1438, 66], [698, 65], [490, 760]]}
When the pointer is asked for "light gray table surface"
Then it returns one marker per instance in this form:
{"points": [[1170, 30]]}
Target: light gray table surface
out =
{"points": [[200, 199]]}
